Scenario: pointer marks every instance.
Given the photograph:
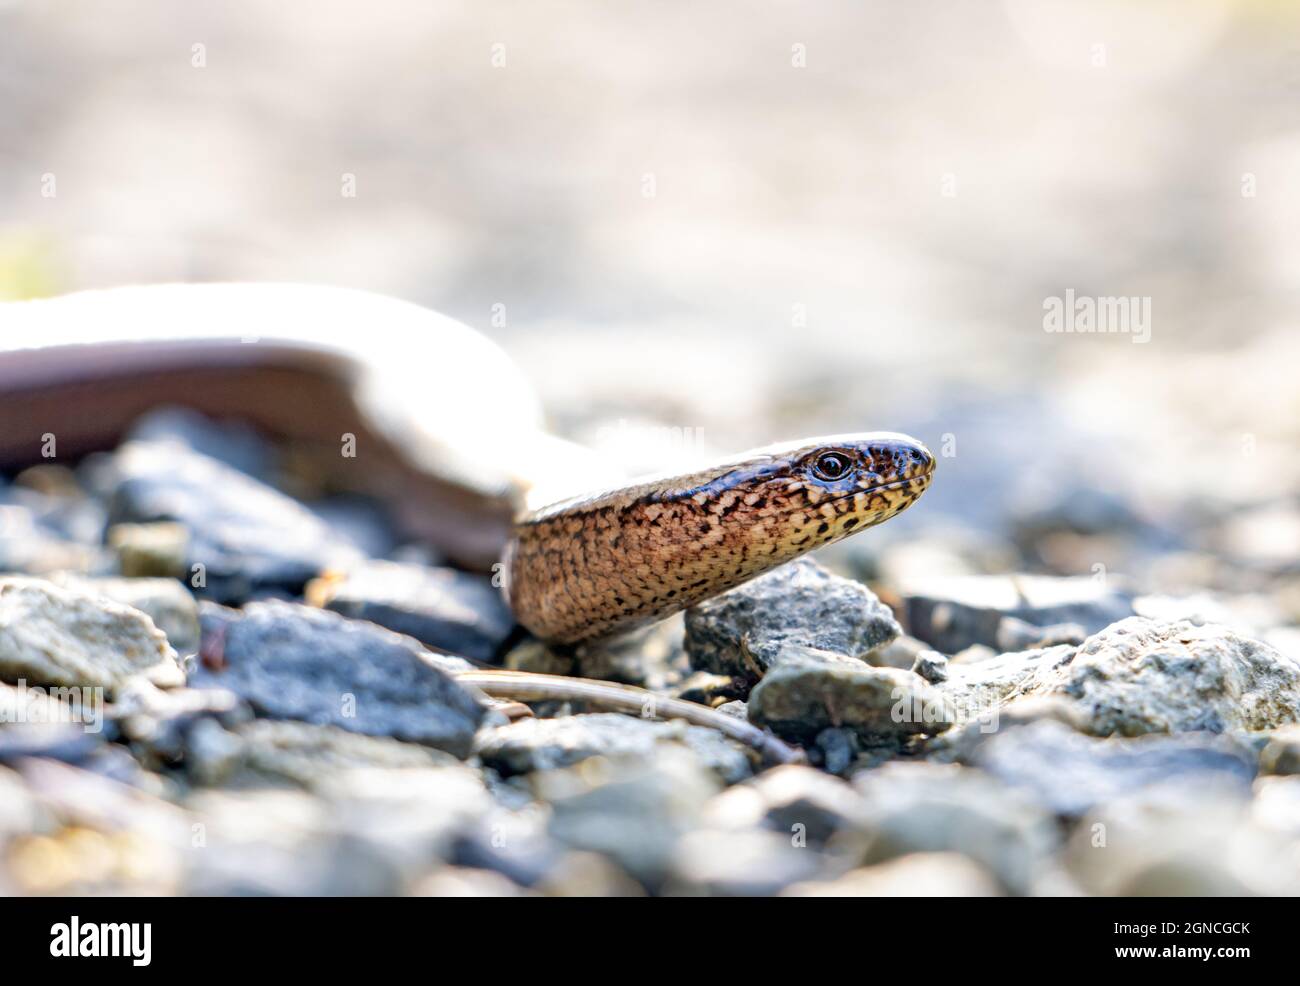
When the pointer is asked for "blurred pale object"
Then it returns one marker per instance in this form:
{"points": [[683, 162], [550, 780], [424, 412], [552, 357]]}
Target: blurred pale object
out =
{"points": [[1138, 39]]}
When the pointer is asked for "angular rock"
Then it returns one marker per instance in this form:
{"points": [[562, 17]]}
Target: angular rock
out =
{"points": [[978, 690], [167, 602], [932, 666], [1140, 676], [807, 691], [51, 635], [1069, 773], [441, 607], [297, 662], [743, 632], [545, 744], [952, 613], [245, 535]]}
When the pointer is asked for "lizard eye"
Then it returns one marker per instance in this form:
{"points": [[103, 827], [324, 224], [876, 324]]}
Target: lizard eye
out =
{"points": [[831, 466]]}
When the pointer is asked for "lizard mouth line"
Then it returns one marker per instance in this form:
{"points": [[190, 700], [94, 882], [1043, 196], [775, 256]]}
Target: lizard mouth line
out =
{"points": [[894, 484]]}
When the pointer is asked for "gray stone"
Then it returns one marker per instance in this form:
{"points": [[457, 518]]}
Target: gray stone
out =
{"points": [[744, 632], [309, 755], [1281, 752], [932, 666], [545, 744], [34, 723], [1069, 773], [650, 657], [809, 690], [159, 722], [1015, 634], [1140, 676], [246, 536], [922, 807], [1193, 837], [954, 612], [441, 607], [50, 635], [412, 816], [961, 743], [167, 602], [796, 802], [296, 662], [281, 843], [36, 538], [230, 442], [743, 863], [633, 810], [901, 653]]}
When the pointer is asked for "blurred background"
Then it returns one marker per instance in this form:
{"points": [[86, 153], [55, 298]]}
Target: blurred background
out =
{"points": [[719, 225]]}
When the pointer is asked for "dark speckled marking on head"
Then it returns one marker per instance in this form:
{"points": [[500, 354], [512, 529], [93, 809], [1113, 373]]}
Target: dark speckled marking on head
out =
{"points": [[599, 564]]}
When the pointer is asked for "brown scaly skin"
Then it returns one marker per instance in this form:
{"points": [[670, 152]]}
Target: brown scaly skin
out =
{"points": [[595, 565]]}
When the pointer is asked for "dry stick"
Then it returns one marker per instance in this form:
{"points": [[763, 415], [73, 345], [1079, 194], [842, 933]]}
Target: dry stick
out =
{"points": [[531, 686]]}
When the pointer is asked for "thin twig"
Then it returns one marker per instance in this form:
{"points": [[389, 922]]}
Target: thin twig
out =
{"points": [[531, 686]]}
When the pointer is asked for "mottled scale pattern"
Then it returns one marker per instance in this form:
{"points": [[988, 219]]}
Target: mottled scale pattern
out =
{"points": [[601, 564]]}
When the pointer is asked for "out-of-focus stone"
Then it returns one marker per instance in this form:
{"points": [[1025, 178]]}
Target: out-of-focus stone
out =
{"points": [[1015, 634], [303, 754], [798, 803], [1181, 839], [243, 535], [50, 635], [1069, 773], [921, 874], [922, 807], [159, 722], [464, 881], [632, 810], [155, 550], [297, 662], [744, 862], [440, 607], [34, 723], [1281, 754], [167, 602], [545, 744], [952, 613], [650, 657]]}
